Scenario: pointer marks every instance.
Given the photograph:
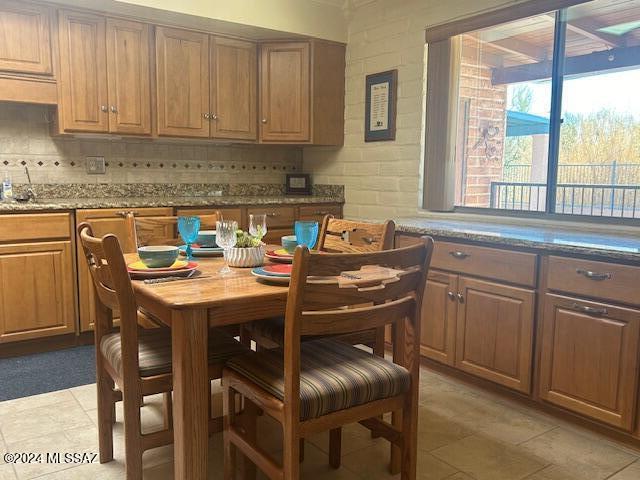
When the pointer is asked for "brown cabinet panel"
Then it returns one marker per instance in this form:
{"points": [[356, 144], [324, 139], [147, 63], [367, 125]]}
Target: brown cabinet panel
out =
{"points": [[277, 217], [83, 101], [438, 317], [589, 358], [36, 290], [234, 89], [498, 264], [182, 76], [607, 281], [318, 212], [25, 227], [227, 214], [274, 236], [105, 221], [285, 92], [128, 77], [494, 337], [25, 33]]}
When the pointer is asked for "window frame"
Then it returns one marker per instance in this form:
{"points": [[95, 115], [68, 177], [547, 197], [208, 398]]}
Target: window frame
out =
{"points": [[450, 30]]}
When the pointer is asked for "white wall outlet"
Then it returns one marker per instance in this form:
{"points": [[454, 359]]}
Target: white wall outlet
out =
{"points": [[96, 166]]}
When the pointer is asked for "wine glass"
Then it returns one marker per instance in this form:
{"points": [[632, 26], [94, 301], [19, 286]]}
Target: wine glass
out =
{"points": [[306, 233], [226, 237], [258, 225], [189, 228]]}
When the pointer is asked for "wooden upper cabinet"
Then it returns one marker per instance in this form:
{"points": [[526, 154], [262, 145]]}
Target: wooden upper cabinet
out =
{"points": [[495, 332], [234, 71], [438, 317], [128, 77], [589, 358], [285, 92], [83, 101], [25, 38], [182, 75]]}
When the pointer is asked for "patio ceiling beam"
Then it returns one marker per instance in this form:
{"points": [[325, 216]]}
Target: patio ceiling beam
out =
{"points": [[580, 64], [586, 27], [517, 47]]}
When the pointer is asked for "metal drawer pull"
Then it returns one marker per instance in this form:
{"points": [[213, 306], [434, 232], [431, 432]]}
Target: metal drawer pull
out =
{"points": [[593, 275], [589, 310], [124, 214], [459, 254], [451, 295], [272, 214], [461, 298]]}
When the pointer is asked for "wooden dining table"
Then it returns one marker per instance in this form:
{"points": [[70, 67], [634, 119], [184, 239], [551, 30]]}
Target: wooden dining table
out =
{"points": [[190, 307]]}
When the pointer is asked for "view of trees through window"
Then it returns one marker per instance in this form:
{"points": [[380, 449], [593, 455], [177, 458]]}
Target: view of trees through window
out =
{"points": [[504, 120]]}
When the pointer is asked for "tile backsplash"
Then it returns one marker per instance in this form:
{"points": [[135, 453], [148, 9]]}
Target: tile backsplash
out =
{"points": [[25, 141]]}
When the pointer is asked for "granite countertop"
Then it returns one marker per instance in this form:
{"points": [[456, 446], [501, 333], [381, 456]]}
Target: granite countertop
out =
{"points": [[623, 247], [163, 201]]}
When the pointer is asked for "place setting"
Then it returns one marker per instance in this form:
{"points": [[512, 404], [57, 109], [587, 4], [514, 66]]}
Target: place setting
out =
{"points": [[279, 272]]}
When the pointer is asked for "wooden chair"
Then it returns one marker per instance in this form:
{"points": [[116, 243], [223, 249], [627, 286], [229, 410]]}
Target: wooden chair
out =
{"points": [[162, 230], [137, 361], [323, 384]]}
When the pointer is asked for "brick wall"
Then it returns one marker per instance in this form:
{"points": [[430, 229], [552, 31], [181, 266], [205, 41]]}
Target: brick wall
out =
{"points": [[384, 179]]}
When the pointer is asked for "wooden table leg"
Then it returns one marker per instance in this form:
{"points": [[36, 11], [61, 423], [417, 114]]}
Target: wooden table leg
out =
{"points": [[189, 329]]}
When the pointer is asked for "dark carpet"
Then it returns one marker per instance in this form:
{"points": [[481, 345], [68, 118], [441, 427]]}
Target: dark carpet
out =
{"points": [[46, 372]]}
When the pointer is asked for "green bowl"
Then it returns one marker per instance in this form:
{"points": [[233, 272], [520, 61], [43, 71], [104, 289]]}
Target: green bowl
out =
{"points": [[289, 243], [158, 256]]}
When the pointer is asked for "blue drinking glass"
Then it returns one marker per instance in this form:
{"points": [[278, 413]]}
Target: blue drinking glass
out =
{"points": [[189, 228], [306, 233]]}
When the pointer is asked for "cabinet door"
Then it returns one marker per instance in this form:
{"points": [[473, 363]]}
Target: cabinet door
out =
{"points": [[128, 77], [495, 332], [103, 222], [182, 64], [318, 212], [284, 92], [234, 71], [227, 213], [589, 358], [36, 290], [25, 30], [83, 73], [438, 317]]}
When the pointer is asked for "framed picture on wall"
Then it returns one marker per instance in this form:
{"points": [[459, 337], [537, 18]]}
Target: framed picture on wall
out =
{"points": [[380, 106]]}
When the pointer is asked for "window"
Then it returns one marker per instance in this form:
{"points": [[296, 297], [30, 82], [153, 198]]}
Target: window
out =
{"points": [[548, 113]]}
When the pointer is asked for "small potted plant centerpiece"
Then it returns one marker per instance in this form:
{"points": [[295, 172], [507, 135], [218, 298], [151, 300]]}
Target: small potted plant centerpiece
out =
{"points": [[249, 250]]}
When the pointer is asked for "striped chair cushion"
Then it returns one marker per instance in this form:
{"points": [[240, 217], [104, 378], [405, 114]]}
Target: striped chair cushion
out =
{"points": [[333, 376], [154, 350]]}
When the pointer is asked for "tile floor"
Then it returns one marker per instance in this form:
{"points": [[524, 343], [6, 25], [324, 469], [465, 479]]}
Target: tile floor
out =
{"points": [[464, 434]]}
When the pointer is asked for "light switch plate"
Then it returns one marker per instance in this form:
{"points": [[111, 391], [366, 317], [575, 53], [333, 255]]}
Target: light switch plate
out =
{"points": [[96, 166]]}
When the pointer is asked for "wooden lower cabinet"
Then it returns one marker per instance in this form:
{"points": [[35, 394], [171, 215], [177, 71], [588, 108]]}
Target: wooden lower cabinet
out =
{"points": [[36, 290], [589, 358], [438, 317], [105, 221], [494, 337], [227, 213]]}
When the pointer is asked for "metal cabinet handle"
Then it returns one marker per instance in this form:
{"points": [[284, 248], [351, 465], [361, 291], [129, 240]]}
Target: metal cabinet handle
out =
{"points": [[460, 255], [104, 108], [264, 120], [206, 116], [114, 109], [214, 116], [271, 215], [460, 298], [451, 295], [594, 275], [124, 214], [589, 310]]}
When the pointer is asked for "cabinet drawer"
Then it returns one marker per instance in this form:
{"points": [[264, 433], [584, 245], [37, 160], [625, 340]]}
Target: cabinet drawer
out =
{"points": [[510, 266], [594, 279], [318, 212], [227, 214], [276, 216], [34, 226]]}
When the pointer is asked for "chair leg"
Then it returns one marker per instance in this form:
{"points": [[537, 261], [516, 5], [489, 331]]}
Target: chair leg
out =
{"points": [[229, 412], [167, 410], [250, 426], [301, 456], [106, 415], [290, 453], [408, 463], [378, 350], [335, 447], [396, 452], [132, 435]]}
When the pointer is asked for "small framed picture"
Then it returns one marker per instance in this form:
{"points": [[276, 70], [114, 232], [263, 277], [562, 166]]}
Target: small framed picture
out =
{"points": [[298, 184], [380, 106]]}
